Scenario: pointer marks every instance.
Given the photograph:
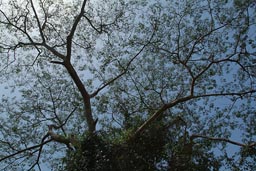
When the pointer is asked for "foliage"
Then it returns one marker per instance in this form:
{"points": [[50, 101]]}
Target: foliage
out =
{"points": [[142, 85]]}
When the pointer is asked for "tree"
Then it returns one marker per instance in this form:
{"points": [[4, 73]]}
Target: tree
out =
{"points": [[128, 85]]}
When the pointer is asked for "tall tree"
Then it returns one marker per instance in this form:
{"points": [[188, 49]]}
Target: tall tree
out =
{"points": [[128, 85]]}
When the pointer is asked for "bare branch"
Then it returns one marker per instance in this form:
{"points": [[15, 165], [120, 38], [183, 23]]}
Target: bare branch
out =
{"points": [[9, 23], [125, 69], [31, 41], [86, 97], [90, 22], [160, 111], [43, 142], [72, 72], [27, 149], [194, 136], [240, 94], [101, 27], [58, 138], [64, 123], [68, 141], [39, 153], [57, 62], [38, 21], [72, 31]]}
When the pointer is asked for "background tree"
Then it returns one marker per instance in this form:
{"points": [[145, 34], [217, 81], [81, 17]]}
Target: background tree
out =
{"points": [[127, 85]]}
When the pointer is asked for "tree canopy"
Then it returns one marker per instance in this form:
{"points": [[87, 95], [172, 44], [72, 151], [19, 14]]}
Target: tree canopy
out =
{"points": [[128, 85]]}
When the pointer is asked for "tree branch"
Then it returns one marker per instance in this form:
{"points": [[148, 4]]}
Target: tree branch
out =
{"points": [[181, 100], [70, 140], [39, 153], [159, 113], [38, 21], [86, 97], [240, 94], [72, 72], [64, 123], [100, 29], [43, 142], [27, 149], [72, 31], [125, 68], [194, 136]]}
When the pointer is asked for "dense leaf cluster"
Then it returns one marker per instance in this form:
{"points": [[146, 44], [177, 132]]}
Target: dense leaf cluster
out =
{"points": [[154, 150]]}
